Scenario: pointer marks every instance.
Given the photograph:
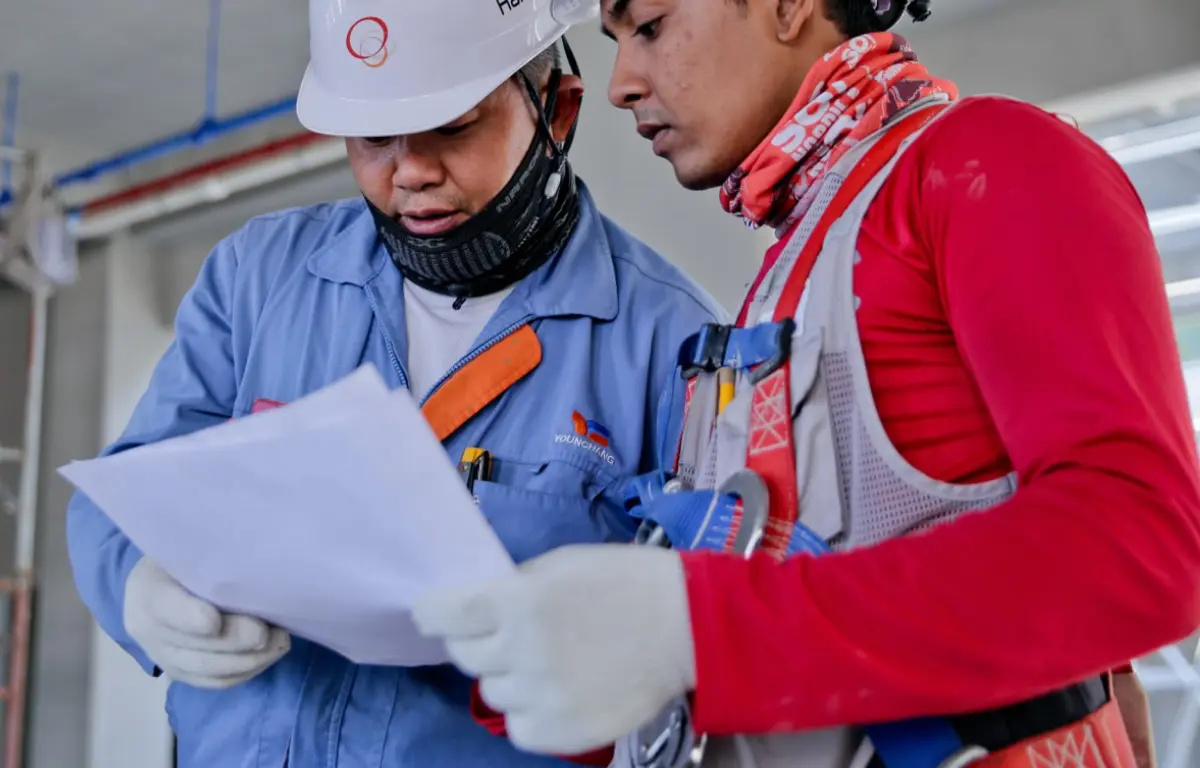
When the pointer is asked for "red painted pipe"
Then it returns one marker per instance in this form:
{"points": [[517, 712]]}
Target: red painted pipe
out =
{"points": [[18, 668], [202, 171]]}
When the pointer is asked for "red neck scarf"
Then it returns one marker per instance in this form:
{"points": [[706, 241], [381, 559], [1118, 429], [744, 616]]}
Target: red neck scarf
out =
{"points": [[850, 93]]}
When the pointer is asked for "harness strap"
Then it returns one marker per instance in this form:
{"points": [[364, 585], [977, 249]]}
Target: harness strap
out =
{"points": [[1096, 741], [770, 450]]}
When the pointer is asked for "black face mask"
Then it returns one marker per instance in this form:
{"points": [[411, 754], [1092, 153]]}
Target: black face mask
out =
{"points": [[520, 229]]}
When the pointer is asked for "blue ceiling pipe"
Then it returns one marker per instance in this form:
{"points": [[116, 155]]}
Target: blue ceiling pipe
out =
{"points": [[209, 129]]}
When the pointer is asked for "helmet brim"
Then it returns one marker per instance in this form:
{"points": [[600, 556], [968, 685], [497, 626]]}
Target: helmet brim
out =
{"points": [[323, 112]]}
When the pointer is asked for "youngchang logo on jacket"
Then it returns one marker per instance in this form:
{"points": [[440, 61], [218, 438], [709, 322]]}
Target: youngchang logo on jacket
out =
{"points": [[588, 435]]}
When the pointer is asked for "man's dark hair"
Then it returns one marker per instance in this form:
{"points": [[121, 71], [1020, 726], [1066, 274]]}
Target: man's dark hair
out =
{"points": [[860, 17], [539, 67]]}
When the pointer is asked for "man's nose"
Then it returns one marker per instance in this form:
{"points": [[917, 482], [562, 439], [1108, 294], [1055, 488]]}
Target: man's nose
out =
{"points": [[626, 87], [418, 164]]}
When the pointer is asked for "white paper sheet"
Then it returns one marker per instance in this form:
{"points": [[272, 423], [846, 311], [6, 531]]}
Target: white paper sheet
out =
{"points": [[330, 517]]}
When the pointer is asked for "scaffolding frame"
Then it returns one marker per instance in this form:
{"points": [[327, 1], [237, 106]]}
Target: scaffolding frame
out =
{"points": [[1176, 674], [17, 589]]}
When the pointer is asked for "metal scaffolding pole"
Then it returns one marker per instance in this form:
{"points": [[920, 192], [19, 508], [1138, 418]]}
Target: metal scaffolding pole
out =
{"points": [[21, 586], [18, 265]]}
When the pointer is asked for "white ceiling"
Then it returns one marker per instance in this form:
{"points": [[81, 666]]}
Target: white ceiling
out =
{"points": [[109, 74], [101, 76]]}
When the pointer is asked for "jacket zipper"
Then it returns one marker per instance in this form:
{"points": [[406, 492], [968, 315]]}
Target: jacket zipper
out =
{"points": [[387, 339]]}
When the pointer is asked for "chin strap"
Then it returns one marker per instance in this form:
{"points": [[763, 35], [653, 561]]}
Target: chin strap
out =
{"points": [[545, 114]]}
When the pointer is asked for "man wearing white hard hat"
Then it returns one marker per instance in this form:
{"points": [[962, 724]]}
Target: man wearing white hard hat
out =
{"points": [[540, 338]]}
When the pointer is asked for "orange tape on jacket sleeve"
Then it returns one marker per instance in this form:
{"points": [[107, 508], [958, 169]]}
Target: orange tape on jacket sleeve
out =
{"points": [[481, 381]]}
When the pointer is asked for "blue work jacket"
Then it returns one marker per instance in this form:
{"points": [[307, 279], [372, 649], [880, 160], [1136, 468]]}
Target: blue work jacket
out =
{"points": [[296, 300]]}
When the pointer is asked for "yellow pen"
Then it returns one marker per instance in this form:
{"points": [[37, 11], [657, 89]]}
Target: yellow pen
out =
{"points": [[468, 458], [475, 464], [725, 388]]}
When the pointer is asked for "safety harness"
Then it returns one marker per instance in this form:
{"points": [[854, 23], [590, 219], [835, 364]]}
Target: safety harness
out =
{"points": [[757, 508]]}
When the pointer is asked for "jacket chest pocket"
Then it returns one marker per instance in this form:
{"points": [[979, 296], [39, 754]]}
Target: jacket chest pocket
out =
{"points": [[536, 507], [287, 360]]}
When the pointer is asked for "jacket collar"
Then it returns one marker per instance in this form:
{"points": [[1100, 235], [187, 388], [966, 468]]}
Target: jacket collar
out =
{"points": [[580, 280]]}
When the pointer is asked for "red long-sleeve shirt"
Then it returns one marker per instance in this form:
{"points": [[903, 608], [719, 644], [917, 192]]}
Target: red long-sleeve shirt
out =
{"points": [[1013, 316]]}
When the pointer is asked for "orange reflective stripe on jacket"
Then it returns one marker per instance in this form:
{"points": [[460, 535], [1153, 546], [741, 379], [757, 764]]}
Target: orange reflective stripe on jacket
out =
{"points": [[473, 387]]}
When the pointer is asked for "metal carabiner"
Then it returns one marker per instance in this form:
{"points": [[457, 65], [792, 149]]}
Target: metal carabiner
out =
{"points": [[756, 509], [668, 741], [964, 757]]}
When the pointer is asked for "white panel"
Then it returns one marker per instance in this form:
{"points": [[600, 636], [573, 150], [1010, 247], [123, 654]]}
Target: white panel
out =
{"points": [[128, 727]]}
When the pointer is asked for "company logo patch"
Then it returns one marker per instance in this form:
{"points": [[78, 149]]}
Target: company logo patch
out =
{"points": [[592, 430], [589, 435], [367, 41]]}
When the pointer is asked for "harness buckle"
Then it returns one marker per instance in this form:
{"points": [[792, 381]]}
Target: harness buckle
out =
{"points": [[705, 351], [783, 352], [650, 533]]}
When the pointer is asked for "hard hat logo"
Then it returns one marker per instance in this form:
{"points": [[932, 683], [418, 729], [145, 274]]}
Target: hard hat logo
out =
{"points": [[367, 41], [420, 44]]}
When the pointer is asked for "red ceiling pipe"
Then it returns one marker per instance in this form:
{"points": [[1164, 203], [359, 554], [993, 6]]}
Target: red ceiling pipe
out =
{"points": [[196, 173]]}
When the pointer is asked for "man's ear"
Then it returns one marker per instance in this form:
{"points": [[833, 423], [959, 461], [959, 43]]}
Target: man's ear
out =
{"points": [[792, 16], [566, 107]]}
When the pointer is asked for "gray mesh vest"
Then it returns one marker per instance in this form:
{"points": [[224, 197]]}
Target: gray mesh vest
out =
{"points": [[854, 487]]}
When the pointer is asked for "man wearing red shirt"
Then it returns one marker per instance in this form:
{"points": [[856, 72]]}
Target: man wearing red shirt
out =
{"points": [[989, 427]]}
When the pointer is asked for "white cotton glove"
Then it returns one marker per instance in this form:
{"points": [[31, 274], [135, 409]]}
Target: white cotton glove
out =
{"points": [[578, 648], [190, 640]]}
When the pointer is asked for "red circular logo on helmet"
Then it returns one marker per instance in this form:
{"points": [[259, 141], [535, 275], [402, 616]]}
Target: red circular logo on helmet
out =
{"points": [[367, 40]]}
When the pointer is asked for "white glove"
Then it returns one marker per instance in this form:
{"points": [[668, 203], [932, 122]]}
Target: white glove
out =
{"points": [[190, 640], [578, 648]]}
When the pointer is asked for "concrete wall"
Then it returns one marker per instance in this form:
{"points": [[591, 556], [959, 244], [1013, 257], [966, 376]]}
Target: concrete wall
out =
{"points": [[133, 734]]}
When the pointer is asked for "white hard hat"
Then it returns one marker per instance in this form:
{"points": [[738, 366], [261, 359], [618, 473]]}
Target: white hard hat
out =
{"points": [[395, 67]]}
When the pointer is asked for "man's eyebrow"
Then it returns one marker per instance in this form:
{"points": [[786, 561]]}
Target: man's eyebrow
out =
{"points": [[616, 13]]}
